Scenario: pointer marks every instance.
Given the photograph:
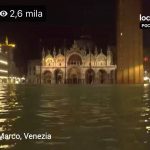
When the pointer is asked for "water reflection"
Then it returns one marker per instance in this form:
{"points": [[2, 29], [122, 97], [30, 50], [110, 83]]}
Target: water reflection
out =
{"points": [[78, 117], [146, 111], [9, 108]]}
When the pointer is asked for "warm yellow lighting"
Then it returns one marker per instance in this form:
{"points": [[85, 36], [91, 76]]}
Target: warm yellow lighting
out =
{"points": [[146, 78], [3, 77], [6, 146], [2, 120], [146, 85], [148, 128], [4, 71], [16, 82], [23, 78], [12, 79], [12, 45], [3, 62], [6, 41]]}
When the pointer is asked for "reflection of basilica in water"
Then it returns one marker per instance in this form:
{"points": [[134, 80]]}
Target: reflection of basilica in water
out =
{"points": [[74, 66]]}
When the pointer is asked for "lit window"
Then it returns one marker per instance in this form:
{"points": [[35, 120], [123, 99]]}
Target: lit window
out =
{"points": [[4, 71], [3, 62]]}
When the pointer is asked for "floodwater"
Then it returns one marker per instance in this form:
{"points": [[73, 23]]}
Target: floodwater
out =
{"points": [[78, 117]]}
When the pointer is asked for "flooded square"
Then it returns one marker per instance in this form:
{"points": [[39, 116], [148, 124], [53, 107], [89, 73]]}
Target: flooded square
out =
{"points": [[108, 117]]}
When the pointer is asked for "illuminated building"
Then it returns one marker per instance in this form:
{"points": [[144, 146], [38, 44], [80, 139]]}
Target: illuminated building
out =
{"points": [[74, 66], [8, 69]]}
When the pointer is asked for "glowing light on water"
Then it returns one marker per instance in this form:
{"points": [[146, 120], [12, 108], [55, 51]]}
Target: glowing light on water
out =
{"points": [[146, 78], [2, 120], [148, 129], [147, 109], [6, 146], [146, 85]]}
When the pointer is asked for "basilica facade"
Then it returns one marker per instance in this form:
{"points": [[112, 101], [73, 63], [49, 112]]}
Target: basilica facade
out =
{"points": [[74, 66]]}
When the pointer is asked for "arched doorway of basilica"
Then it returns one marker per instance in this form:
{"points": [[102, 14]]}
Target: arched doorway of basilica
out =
{"points": [[47, 75], [102, 75], [90, 76], [74, 75], [58, 76]]}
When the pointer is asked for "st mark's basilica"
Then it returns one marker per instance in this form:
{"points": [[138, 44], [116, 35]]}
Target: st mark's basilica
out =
{"points": [[74, 66]]}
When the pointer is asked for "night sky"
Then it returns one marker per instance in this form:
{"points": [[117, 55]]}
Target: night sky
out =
{"points": [[66, 21]]}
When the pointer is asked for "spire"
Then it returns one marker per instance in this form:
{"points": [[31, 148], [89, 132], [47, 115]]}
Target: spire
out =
{"points": [[43, 53], [75, 44], [101, 51], [84, 50], [108, 50], [64, 47], [109, 56], [96, 51], [54, 51], [6, 40], [59, 51], [89, 51]]}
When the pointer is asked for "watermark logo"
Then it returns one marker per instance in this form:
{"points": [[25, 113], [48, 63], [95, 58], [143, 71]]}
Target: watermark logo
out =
{"points": [[144, 22], [25, 13]]}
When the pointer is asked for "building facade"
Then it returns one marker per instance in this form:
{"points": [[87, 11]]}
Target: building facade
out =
{"points": [[3, 66], [74, 66], [8, 69]]}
